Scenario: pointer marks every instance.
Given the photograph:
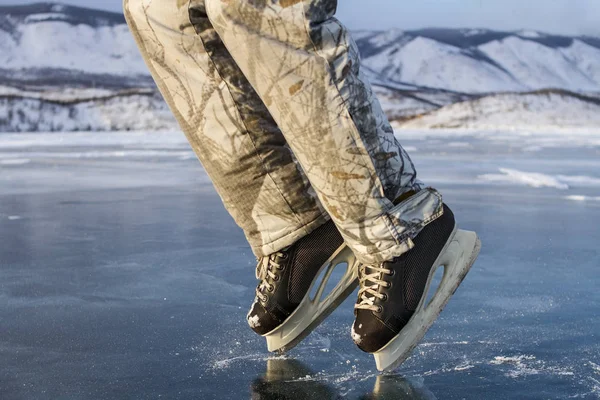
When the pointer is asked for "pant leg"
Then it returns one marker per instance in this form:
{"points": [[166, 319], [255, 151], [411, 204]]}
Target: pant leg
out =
{"points": [[304, 65], [228, 126]]}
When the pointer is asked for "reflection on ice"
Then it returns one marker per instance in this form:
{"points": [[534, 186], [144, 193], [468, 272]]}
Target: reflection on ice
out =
{"points": [[292, 380]]}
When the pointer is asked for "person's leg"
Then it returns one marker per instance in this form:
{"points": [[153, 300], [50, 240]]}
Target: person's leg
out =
{"points": [[227, 125], [306, 68], [248, 160]]}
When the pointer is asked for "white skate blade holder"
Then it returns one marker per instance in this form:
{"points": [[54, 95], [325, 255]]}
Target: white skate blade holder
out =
{"points": [[312, 311], [457, 257]]}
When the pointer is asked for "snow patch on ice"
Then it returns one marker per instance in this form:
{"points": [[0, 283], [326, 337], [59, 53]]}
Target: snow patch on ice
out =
{"points": [[463, 366], [539, 180], [465, 145], [582, 198], [521, 365], [226, 363], [525, 365], [533, 179], [430, 344], [15, 161], [579, 180]]}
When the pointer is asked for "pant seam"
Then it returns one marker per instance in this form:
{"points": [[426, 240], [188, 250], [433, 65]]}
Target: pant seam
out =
{"points": [[346, 107], [242, 121]]}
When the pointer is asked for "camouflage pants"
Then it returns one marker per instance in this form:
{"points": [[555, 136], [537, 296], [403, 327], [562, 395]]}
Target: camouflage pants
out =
{"points": [[272, 99]]}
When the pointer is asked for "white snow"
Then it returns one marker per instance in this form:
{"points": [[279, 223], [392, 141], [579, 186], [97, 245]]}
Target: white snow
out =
{"points": [[533, 179], [579, 180], [27, 142], [474, 32], [582, 198], [386, 37], [427, 62], [69, 94], [516, 63], [58, 44], [403, 62], [15, 161], [585, 57], [526, 365], [529, 34], [537, 66], [539, 180], [127, 111], [545, 111]]}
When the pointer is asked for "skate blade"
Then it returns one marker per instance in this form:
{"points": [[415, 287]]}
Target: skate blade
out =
{"points": [[311, 312], [458, 256]]}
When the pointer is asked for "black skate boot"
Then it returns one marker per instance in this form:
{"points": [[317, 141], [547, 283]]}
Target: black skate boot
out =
{"points": [[391, 316], [283, 311]]}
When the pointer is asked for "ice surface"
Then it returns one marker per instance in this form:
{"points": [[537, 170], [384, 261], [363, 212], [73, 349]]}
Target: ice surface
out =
{"points": [[122, 276]]}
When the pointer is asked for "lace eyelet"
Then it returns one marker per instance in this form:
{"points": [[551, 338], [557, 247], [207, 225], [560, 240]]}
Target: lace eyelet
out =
{"points": [[392, 272], [385, 297], [379, 310], [283, 256], [276, 279], [389, 285], [271, 288]]}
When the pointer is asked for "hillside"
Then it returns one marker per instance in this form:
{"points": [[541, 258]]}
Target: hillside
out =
{"points": [[542, 110], [49, 51]]}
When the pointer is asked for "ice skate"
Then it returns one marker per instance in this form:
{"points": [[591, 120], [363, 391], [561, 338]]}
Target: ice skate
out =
{"points": [[391, 314], [283, 310]]}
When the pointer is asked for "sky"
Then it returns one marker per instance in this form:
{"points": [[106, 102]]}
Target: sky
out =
{"points": [[571, 17]]}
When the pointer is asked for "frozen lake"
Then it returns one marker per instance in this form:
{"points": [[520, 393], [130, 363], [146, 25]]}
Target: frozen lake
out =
{"points": [[122, 276]]}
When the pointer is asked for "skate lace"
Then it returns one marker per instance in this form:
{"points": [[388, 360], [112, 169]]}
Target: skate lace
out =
{"points": [[267, 271], [369, 278]]}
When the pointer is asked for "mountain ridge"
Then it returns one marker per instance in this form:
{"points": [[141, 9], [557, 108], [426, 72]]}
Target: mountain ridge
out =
{"points": [[34, 39], [66, 67]]}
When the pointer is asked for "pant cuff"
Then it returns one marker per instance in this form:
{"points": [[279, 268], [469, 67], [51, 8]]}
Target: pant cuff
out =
{"points": [[391, 234], [290, 238]]}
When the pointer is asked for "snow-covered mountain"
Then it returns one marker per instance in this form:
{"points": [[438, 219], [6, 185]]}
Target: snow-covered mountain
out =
{"points": [[542, 110], [483, 61], [65, 68]]}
